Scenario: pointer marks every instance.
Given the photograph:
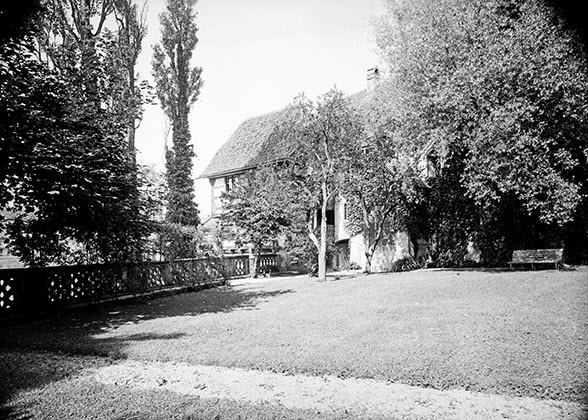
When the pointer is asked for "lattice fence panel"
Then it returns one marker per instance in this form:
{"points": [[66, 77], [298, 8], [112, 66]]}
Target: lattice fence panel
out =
{"points": [[7, 293], [203, 271], [68, 286], [35, 289], [155, 275], [180, 273], [56, 289], [105, 283]]}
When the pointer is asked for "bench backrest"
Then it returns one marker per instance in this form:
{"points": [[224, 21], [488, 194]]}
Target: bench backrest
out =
{"points": [[537, 255]]}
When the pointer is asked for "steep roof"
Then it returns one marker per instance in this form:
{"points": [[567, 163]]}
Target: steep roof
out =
{"points": [[252, 143]]}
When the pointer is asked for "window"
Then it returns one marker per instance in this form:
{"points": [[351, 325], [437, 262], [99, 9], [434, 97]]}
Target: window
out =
{"points": [[229, 183], [330, 217]]}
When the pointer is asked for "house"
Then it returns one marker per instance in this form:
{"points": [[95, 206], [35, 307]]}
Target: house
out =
{"points": [[253, 143]]}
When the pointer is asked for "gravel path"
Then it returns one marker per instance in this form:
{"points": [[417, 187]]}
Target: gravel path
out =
{"points": [[361, 397]]}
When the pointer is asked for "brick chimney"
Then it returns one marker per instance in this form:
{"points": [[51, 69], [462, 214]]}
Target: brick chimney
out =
{"points": [[373, 77]]}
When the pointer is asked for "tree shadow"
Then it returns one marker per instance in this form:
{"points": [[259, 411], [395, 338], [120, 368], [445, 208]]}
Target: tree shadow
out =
{"points": [[37, 351]]}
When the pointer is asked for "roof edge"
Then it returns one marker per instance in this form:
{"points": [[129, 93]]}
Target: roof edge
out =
{"points": [[204, 175]]}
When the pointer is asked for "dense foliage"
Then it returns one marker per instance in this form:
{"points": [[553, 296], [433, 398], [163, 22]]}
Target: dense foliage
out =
{"points": [[496, 91], [380, 186], [69, 185], [178, 87], [16, 22]]}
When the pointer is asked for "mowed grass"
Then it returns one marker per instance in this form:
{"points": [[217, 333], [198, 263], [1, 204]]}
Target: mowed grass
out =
{"points": [[521, 333]]}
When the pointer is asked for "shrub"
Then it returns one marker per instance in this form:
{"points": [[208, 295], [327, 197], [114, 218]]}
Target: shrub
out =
{"points": [[351, 266], [405, 264]]}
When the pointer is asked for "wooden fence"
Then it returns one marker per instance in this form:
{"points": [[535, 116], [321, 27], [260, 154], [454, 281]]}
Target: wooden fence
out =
{"points": [[35, 289]]}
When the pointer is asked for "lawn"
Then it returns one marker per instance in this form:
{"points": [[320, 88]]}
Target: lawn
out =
{"points": [[511, 333]]}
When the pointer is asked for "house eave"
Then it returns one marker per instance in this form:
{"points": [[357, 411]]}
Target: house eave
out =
{"points": [[230, 172], [220, 174]]}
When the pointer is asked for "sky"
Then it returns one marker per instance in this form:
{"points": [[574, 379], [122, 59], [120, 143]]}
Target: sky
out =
{"points": [[257, 56]]}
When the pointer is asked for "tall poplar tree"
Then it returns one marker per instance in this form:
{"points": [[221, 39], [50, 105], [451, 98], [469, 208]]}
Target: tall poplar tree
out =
{"points": [[132, 29], [178, 86]]}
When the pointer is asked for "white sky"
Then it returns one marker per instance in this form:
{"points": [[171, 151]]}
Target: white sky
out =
{"points": [[257, 55]]}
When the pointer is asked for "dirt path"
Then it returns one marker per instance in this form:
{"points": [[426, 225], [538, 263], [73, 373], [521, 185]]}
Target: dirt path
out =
{"points": [[359, 397]]}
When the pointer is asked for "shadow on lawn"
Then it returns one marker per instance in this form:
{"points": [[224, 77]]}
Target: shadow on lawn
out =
{"points": [[40, 351]]}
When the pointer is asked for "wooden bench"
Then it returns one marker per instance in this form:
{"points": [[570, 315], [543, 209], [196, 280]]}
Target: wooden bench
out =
{"points": [[537, 256]]}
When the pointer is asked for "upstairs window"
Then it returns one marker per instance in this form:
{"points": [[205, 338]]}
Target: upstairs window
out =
{"points": [[229, 183]]}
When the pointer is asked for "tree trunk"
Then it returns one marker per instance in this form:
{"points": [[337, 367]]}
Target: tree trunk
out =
{"points": [[368, 262], [132, 119], [257, 261], [322, 256], [370, 249], [312, 222]]}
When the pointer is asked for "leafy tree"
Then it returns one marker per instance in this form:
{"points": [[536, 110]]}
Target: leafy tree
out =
{"points": [[63, 186], [319, 134], [453, 217], [179, 241], [263, 205], [72, 38], [131, 31], [178, 87], [379, 189], [67, 178], [153, 190], [101, 59], [126, 98], [506, 82]]}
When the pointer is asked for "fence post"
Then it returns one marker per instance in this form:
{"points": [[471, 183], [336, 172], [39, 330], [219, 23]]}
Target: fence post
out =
{"points": [[36, 288]]}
